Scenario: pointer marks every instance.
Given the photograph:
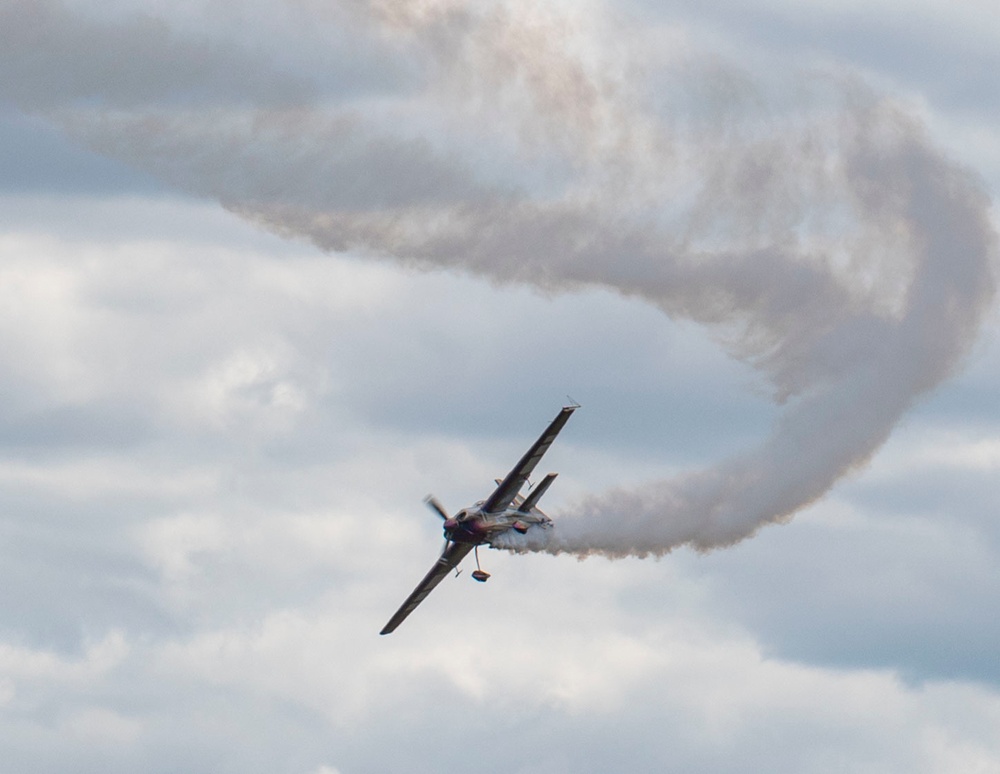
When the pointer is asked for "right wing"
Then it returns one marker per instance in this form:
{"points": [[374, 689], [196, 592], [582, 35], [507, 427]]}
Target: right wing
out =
{"points": [[507, 490], [517, 498], [450, 557]]}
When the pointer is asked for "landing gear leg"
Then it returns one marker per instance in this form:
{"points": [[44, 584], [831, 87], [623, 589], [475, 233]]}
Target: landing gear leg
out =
{"points": [[478, 573]]}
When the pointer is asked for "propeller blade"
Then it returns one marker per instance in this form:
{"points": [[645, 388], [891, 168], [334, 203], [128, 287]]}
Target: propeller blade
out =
{"points": [[432, 502]]}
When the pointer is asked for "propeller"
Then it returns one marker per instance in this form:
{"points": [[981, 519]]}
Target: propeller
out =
{"points": [[433, 504]]}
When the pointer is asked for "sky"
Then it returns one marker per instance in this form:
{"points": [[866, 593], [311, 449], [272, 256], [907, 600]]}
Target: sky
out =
{"points": [[272, 272]]}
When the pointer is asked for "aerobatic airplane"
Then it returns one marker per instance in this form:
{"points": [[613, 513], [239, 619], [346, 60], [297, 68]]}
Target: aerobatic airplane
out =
{"points": [[483, 522]]}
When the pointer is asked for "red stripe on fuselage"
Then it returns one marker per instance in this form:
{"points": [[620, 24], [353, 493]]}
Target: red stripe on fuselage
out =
{"points": [[472, 531]]}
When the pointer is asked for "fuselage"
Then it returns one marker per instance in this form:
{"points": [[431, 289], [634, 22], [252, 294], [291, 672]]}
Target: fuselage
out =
{"points": [[467, 527], [474, 526]]}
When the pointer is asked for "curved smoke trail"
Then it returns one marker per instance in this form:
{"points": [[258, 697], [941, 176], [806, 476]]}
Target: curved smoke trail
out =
{"points": [[810, 223]]}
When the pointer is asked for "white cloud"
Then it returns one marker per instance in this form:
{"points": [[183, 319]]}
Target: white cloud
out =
{"points": [[214, 445], [101, 727], [20, 664]]}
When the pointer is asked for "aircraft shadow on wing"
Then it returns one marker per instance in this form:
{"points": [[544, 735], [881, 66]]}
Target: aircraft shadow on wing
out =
{"points": [[487, 519]]}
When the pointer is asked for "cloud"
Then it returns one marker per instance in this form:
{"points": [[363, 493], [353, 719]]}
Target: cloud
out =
{"points": [[36, 157], [691, 700], [787, 228], [215, 440], [245, 566], [138, 60]]}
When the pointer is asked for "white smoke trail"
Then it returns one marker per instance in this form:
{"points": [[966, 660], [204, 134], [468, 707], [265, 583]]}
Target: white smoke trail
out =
{"points": [[821, 236]]}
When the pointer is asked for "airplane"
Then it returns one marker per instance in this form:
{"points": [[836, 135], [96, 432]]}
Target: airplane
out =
{"points": [[487, 519]]}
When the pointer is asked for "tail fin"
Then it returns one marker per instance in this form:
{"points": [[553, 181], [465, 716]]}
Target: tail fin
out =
{"points": [[536, 494]]}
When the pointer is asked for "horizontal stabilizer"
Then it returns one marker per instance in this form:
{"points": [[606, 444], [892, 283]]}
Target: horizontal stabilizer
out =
{"points": [[536, 494]]}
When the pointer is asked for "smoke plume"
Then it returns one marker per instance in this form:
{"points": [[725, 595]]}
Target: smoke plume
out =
{"points": [[806, 220]]}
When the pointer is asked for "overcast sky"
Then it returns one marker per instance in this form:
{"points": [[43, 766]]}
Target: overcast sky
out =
{"points": [[270, 273]]}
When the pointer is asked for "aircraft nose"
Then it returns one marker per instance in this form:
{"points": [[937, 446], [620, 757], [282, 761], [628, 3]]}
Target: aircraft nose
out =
{"points": [[450, 524]]}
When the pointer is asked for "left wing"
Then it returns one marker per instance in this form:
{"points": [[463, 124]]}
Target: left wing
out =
{"points": [[450, 557]]}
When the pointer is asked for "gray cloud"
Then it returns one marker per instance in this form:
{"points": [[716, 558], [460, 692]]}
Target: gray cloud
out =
{"points": [[905, 586], [256, 159], [35, 157], [943, 55], [53, 55]]}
